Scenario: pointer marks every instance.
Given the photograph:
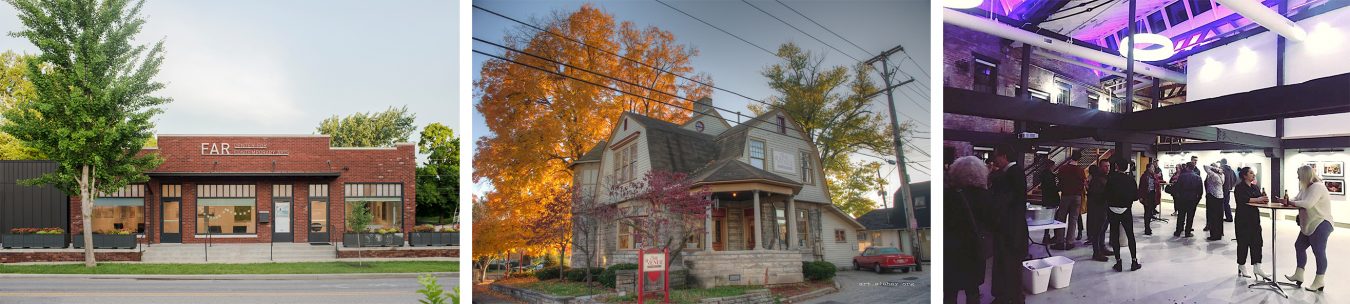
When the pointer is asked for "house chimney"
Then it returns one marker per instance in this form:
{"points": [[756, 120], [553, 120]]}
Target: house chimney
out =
{"points": [[703, 106]]}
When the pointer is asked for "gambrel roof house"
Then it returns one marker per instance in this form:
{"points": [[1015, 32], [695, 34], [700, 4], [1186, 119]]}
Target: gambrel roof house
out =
{"points": [[764, 166]]}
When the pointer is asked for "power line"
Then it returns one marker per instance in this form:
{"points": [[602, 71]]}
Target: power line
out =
{"points": [[719, 29], [612, 53], [822, 26], [800, 30]]}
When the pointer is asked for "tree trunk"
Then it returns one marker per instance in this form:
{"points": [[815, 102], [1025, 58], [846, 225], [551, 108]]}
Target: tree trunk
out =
{"points": [[87, 190]]}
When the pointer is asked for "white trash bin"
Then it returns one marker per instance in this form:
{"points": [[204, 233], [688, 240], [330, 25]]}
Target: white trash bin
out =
{"points": [[1061, 271], [1036, 275]]}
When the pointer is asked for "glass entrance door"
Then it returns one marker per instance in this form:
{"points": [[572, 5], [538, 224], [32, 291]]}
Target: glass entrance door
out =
{"points": [[318, 220], [281, 224], [171, 226]]}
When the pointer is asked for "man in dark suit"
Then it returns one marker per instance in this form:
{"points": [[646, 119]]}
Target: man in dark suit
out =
{"points": [[1186, 191], [1008, 189], [1230, 181]]}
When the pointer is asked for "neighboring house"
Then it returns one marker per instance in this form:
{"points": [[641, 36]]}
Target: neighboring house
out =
{"points": [[887, 227], [771, 208]]}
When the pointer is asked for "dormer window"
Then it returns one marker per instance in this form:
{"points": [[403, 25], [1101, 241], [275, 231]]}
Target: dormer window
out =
{"points": [[698, 125], [782, 124], [757, 153]]}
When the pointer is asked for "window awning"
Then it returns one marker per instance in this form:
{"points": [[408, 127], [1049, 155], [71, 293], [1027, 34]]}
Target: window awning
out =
{"points": [[246, 174]]}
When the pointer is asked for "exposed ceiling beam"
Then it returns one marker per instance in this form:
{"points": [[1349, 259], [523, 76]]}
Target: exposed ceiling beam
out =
{"points": [[1317, 143], [1036, 12], [1201, 146], [967, 102], [1322, 96]]}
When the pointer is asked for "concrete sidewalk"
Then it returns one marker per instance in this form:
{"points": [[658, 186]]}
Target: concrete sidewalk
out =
{"points": [[318, 276]]}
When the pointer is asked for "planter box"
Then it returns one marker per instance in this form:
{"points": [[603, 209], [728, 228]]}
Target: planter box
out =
{"points": [[434, 239], [372, 240], [33, 240], [106, 241]]}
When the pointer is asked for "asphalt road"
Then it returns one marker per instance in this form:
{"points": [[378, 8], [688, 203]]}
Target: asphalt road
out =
{"points": [[326, 291], [870, 287]]}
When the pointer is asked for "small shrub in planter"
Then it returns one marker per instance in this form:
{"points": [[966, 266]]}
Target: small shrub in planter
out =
{"points": [[34, 238], [429, 235], [388, 237], [549, 273], [109, 239], [607, 277], [818, 270]]}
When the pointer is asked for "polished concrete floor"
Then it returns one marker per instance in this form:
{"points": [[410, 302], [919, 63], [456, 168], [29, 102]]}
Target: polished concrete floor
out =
{"points": [[1193, 270]]}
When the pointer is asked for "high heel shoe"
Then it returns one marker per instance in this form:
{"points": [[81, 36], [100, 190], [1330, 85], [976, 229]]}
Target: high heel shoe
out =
{"points": [[1242, 271], [1297, 278], [1260, 274], [1316, 284]]}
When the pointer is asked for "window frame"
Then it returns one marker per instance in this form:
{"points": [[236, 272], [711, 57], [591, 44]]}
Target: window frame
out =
{"points": [[807, 167], [370, 200], [976, 61], [840, 236], [225, 191], [763, 152]]}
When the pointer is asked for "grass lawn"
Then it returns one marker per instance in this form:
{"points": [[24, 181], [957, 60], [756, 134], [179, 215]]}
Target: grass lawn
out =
{"points": [[691, 295], [266, 268]]}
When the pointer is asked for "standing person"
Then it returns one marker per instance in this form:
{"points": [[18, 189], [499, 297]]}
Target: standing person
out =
{"points": [[1008, 188], [1214, 200], [1072, 181], [1149, 184], [1121, 194], [1247, 224], [1186, 191], [1096, 216], [1230, 180], [966, 202], [1314, 216]]}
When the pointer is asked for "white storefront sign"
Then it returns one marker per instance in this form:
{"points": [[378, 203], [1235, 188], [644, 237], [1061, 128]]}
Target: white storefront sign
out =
{"points": [[784, 162], [653, 262]]}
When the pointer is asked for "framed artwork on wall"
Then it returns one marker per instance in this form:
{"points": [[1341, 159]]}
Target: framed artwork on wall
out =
{"points": [[1312, 164], [1335, 186], [1333, 168]]}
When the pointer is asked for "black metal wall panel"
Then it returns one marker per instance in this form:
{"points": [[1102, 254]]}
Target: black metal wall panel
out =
{"points": [[30, 206]]}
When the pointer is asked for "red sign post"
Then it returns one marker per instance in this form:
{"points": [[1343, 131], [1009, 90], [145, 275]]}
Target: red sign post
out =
{"points": [[653, 265]]}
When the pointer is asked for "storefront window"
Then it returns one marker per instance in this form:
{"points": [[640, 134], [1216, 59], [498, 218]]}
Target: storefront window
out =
{"points": [[121, 213], [226, 209], [383, 201], [123, 209]]}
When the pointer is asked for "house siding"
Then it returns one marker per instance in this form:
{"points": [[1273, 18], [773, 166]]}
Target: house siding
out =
{"points": [[840, 254], [774, 141], [712, 125]]}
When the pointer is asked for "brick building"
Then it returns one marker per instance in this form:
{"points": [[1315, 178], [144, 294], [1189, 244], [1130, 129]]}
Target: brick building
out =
{"points": [[258, 189]]}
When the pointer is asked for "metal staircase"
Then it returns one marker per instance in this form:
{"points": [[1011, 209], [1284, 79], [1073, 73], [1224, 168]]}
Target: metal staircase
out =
{"points": [[1089, 157]]}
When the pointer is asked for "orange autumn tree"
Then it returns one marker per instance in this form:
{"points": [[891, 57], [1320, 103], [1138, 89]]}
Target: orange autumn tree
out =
{"points": [[541, 122]]}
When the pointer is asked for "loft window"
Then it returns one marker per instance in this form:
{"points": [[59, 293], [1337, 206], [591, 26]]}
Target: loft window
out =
{"points": [[1176, 13], [985, 73], [757, 153], [1064, 94], [782, 124], [1200, 6], [808, 175], [624, 162], [1155, 22], [1093, 99]]}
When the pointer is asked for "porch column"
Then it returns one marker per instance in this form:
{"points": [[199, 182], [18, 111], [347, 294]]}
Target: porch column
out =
{"points": [[707, 228], [791, 223], [758, 231]]}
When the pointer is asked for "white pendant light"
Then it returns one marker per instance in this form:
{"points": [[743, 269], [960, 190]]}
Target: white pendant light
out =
{"points": [[962, 4], [1163, 47]]}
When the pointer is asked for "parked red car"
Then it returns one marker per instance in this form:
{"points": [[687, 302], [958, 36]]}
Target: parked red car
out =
{"points": [[880, 259]]}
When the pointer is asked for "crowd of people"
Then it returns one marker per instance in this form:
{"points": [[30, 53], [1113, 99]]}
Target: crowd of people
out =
{"points": [[985, 215]]}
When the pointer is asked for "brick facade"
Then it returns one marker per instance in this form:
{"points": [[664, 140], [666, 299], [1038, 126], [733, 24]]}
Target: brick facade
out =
{"points": [[307, 159], [10, 256], [961, 46]]}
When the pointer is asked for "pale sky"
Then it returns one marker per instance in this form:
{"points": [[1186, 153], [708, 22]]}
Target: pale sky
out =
{"points": [[874, 25], [280, 67]]}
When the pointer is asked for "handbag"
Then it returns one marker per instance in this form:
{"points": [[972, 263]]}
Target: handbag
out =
{"points": [[983, 246]]}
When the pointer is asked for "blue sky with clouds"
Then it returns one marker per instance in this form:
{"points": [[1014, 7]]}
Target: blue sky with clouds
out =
{"points": [[874, 25], [279, 67]]}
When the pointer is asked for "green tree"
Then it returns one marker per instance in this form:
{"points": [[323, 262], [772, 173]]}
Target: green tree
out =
{"points": [[15, 89], [830, 104], [438, 178], [94, 99], [382, 129]]}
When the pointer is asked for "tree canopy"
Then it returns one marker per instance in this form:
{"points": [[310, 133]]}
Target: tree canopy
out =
{"points": [[830, 103], [15, 89], [94, 96], [371, 129], [438, 178], [541, 122]]}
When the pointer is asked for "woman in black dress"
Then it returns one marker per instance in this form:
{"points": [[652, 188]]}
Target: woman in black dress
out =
{"points": [[965, 201], [1247, 223]]}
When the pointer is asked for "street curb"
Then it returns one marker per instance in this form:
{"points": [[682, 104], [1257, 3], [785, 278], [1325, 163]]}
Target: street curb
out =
{"points": [[319, 276]]}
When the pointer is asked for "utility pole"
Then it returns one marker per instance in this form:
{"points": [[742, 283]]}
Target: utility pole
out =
{"points": [[903, 199]]}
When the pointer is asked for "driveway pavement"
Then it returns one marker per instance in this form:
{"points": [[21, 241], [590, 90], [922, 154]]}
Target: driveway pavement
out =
{"points": [[870, 287]]}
